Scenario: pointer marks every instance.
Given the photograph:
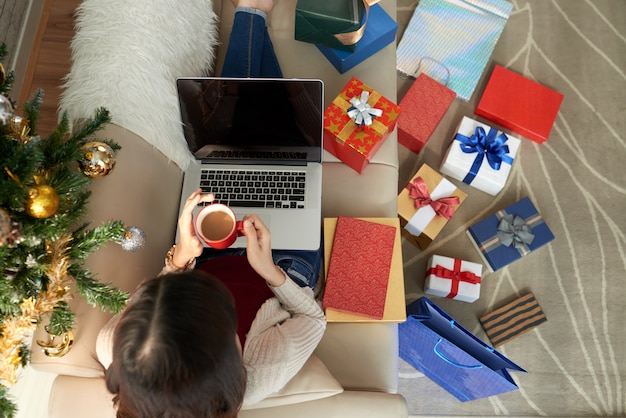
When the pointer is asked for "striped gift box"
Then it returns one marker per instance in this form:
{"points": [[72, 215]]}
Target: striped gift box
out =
{"points": [[513, 320]]}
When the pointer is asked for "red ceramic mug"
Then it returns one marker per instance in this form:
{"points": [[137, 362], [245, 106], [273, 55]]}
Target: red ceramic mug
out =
{"points": [[218, 226]]}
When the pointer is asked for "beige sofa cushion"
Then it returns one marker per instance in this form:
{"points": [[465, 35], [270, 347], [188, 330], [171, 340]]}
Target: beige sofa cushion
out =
{"points": [[312, 382]]}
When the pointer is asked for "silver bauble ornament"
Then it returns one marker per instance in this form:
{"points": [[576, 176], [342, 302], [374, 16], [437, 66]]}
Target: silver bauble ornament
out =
{"points": [[10, 233], [6, 109], [134, 239]]}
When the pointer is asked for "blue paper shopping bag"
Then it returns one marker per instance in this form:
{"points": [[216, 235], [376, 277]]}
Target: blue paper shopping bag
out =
{"points": [[436, 345]]}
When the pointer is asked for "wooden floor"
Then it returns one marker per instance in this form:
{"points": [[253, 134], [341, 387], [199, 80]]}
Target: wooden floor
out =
{"points": [[50, 60]]}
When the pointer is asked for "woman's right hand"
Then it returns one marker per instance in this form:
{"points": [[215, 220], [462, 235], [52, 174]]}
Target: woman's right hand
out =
{"points": [[188, 245], [259, 250]]}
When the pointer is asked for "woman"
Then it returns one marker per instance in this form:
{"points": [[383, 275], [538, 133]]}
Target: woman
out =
{"points": [[204, 342]]}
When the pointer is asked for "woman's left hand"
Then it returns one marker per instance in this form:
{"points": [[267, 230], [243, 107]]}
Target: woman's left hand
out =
{"points": [[188, 245]]}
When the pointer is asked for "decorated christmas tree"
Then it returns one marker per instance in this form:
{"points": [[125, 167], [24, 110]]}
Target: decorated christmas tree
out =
{"points": [[44, 190]]}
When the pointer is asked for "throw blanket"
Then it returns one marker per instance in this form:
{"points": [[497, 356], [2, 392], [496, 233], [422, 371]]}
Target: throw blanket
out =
{"points": [[126, 57]]}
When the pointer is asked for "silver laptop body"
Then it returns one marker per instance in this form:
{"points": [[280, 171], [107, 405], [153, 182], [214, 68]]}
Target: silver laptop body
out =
{"points": [[257, 144]]}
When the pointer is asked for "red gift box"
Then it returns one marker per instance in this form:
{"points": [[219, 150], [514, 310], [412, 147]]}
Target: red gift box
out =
{"points": [[519, 104], [423, 106], [359, 267], [353, 143]]}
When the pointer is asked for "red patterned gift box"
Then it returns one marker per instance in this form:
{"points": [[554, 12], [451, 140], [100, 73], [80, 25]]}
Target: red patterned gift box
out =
{"points": [[359, 267], [424, 104], [453, 278], [357, 123]]}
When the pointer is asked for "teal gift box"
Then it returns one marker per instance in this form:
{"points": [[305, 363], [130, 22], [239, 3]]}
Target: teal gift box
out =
{"points": [[335, 23], [380, 31]]}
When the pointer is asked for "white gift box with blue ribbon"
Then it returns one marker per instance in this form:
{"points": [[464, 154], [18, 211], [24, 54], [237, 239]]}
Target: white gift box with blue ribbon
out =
{"points": [[480, 156]]}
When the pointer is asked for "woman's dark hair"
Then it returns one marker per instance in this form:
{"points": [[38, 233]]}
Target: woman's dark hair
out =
{"points": [[174, 351]]}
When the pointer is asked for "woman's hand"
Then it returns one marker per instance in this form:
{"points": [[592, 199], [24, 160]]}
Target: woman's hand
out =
{"points": [[189, 246], [259, 250]]}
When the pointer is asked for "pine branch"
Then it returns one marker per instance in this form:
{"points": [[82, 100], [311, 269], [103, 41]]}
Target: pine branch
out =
{"points": [[62, 129], [6, 86], [86, 129], [88, 241], [61, 320], [114, 145], [103, 295], [32, 109], [8, 409]]}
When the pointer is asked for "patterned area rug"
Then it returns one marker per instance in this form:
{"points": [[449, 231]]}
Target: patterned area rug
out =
{"points": [[576, 361]]}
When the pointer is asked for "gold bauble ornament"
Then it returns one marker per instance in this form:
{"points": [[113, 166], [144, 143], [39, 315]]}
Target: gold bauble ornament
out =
{"points": [[98, 159], [42, 202]]}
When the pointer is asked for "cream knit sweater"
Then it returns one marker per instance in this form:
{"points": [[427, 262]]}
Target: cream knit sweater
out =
{"points": [[285, 332]]}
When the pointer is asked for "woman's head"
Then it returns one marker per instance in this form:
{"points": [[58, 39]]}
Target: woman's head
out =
{"points": [[175, 352]]}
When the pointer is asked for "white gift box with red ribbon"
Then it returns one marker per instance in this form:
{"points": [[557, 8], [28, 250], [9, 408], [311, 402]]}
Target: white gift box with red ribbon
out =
{"points": [[453, 278]]}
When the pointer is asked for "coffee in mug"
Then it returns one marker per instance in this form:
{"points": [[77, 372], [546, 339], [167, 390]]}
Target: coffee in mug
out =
{"points": [[218, 226]]}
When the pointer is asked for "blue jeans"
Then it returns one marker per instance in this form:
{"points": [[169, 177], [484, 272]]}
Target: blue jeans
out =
{"points": [[250, 51], [302, 266]]}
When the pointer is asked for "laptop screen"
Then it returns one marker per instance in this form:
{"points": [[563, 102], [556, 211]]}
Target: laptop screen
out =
{"points": [[252, 119]]}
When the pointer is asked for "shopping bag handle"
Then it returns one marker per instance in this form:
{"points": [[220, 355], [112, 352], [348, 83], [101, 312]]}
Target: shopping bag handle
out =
{"points": [[454, 363]]}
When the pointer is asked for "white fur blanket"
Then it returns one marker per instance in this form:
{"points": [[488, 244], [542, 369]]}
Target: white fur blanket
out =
{"points": [[126, 57]]}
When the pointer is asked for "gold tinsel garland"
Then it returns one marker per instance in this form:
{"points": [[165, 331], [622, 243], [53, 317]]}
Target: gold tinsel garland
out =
{"points": [[14, 331]]}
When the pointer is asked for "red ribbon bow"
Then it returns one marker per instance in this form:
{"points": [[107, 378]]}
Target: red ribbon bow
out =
{"points": [[419, 192], [455, 275]]}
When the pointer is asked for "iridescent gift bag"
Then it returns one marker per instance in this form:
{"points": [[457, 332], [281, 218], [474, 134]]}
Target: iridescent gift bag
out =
{"points": [[452, 41]]}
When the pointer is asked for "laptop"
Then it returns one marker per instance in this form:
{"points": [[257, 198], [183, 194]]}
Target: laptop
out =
{"points": [[257, 146]]}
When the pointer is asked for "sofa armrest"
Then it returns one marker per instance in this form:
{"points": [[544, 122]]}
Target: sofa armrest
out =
{"points": [[142, 190], [361, 356]]}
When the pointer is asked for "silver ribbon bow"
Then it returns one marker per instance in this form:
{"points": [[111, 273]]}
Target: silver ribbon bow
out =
{"points": [[361, 112], [513, 230]]}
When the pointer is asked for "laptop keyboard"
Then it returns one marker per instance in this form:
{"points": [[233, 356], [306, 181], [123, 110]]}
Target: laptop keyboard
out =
{"points": [[256, 189]]}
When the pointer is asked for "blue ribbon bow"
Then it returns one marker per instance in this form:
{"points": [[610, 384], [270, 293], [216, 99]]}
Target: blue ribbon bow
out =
{"points": [[488, 145]]}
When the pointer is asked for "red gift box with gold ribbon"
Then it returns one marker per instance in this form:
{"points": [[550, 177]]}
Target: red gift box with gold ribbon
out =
{"points": [[357, 123]]}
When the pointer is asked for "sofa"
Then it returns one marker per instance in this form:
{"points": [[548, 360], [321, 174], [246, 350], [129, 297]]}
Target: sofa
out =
{"points": [[360, 359]]}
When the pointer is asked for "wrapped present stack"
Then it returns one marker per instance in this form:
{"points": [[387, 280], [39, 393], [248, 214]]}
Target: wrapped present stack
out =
{"points": [[346, 32], [479, 160]]}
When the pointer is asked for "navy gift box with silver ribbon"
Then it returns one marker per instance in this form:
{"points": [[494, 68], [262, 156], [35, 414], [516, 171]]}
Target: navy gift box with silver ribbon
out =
{"points": [[436, 345], [510, 234]]}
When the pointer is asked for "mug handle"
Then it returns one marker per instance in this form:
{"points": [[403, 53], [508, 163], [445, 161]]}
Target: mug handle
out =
{"points": [[239, 228]]}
